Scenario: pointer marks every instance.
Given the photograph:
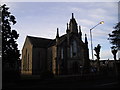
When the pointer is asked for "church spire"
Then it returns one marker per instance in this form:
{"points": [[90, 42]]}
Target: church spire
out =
{"points": [[73, 25]]}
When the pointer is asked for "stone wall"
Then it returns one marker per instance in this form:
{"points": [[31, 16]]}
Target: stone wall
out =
{"points": [[26, 63]]}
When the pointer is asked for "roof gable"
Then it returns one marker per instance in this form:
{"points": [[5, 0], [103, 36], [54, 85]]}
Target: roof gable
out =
{"points": [[39, 42]]}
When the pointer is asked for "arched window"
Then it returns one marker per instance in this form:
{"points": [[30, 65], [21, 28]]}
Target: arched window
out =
{"points": [[71, 51], [24, 63], [26, 60], [62, 53], [74, 48], [28, 63]]}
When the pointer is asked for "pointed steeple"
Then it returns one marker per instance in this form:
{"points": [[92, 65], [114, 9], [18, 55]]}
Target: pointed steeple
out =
{"points": [[73, 25], [57, 35], [80, 33], [86, 41]]}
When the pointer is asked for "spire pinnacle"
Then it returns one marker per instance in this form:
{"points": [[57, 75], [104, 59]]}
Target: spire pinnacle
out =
{"points": [[57, 36], [86, 42], [80, 33], [67, 26], [72, 15], [79, 28], [67, 30]]}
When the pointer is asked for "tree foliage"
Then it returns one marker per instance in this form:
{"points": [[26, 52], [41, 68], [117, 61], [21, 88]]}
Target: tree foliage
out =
{"points": [[114, 37], [10, 52], [97, 50]]}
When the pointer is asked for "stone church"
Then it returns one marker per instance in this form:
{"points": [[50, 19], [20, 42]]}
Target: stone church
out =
{"points": [[66, 54]]}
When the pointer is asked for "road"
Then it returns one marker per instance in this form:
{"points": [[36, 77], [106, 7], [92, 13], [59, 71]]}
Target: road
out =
{"points": [[64, 83]]}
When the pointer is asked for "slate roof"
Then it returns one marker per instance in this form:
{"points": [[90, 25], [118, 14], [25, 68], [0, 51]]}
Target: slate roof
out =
{"points": [[41, 42]]}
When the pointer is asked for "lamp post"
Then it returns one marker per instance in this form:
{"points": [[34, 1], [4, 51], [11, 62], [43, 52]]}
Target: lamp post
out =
{"points": [[102, 22]]}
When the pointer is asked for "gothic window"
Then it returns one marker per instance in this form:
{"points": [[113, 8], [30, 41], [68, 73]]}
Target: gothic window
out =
{"points": [[62, 53], [28, 63], [26, 60], [24, 63], [74, 48], [71, 51]]}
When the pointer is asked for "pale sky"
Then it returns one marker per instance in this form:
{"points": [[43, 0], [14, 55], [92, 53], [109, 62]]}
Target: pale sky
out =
{"points": [[41, 19]]}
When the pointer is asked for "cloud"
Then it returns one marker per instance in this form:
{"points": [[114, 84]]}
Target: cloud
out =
{"points": [[76, 9], [98, 11], [106, 54], [61, 0], [42, 19], [86, 22]]}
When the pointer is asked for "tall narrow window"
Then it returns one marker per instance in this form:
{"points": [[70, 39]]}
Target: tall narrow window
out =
{"points": [[24, 63], [71, 51], [26, 60], [74, 48], [28, 63], [62, 53]]}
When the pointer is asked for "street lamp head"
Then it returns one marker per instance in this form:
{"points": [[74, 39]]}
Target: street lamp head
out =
{"points": [[102, 22]]}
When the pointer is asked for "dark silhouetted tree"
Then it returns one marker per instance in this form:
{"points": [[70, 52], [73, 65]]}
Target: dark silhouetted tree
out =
{"points": [[114, 37], [97, 50], [10, 52]]}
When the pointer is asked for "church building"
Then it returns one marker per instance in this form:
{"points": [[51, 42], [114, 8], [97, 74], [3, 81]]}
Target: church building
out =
{"points": [[66, 54]]}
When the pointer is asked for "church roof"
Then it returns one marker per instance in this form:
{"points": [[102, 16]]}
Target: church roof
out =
{"points": [[40, 42]]}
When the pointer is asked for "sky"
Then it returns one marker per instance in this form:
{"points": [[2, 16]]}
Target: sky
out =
{"points": [[41, 19]]}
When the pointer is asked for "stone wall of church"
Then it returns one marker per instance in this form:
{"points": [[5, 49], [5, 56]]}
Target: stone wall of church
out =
{"points": [[76, 59], [49, 59], [26, 63], [39, 60], [54, 58]]}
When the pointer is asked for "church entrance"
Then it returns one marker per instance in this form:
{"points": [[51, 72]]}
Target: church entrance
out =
{"points": [[75, 68]]}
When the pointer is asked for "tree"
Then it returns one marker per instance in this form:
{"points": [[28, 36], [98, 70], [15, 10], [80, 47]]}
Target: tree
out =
{"points": [[10, 52], [97, 50], [115, 37]]}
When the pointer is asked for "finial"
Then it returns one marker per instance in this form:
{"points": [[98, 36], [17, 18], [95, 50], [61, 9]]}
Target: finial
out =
{"points": [[86, 39], [57, 33], [67, 25], [80, 33], [72, 15], [79, 27], [67, 30]]}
